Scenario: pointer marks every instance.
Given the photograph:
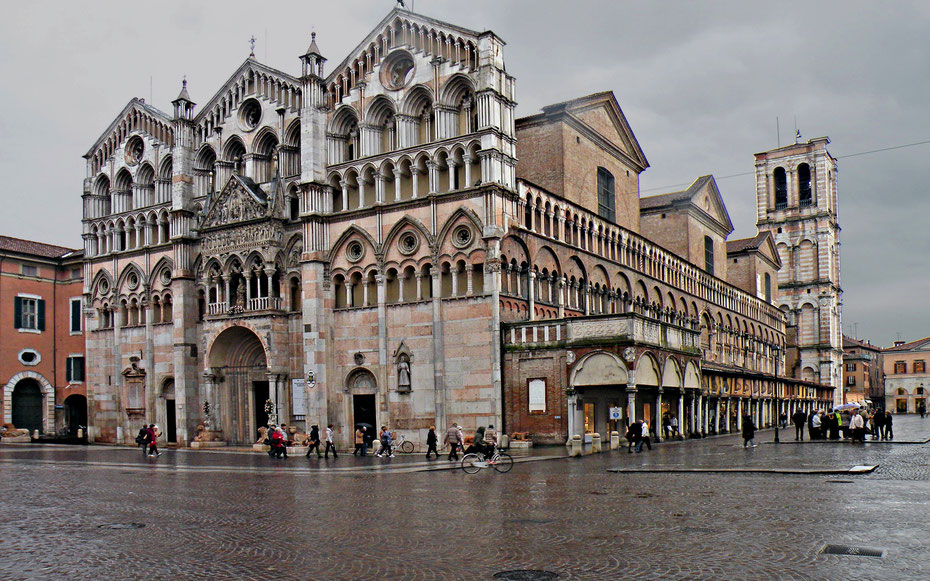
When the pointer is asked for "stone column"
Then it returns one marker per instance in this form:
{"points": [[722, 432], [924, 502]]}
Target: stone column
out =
{"points": [[400, 287], [433, 171], [451, 167], [657, 419], [414, 179], [531, 294], [345, 194], [361, 191], [561, 291], [396, 184], [681, 411], [468, 161], [469, 280], [349, 294]]}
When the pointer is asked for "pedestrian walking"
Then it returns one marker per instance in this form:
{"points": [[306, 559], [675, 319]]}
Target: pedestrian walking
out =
{"points": [[431, 442], [799, 418], [879, 416], [454, 439], [153, 440], [749, 432], [142, 438], [329, 442], [385, 443], [278, 448], [632, 436], [783, 419], [922, 408], [360, 443], [889, 429], [314, 441], [643, 437], [816, 425]]}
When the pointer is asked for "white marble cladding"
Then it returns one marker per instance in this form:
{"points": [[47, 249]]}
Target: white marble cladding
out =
{"points": [[630, 326]]}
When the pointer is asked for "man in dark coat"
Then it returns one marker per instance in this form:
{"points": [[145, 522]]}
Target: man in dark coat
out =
{"points": [[799, 418], [749, 432]]}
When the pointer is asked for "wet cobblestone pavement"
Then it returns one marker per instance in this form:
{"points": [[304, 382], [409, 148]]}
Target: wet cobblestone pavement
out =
{"points": [[243, 515]]}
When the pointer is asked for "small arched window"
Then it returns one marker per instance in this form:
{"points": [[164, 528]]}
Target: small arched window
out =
{"points": [[606, 201], [781, 188], [768, 287], [805, 197], [709, 255], [294, 202]]}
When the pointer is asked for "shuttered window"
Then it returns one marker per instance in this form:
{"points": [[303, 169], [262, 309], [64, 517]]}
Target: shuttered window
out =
{"points": [[29, 313]]}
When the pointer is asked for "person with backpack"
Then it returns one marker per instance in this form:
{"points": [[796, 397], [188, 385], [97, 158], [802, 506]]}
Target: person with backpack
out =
{"points": [[385, 443], [314, 441], [142, 438], [453, 439]]}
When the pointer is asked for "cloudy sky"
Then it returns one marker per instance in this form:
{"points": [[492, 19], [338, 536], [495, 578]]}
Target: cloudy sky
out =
{"points": [[702, 84]]}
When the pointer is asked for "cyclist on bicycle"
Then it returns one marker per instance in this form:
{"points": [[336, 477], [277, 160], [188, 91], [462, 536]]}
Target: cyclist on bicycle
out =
{"points": [[490, 441]]}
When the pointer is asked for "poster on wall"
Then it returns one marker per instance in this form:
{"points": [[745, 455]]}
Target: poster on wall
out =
{"points": [[537, 397], [298, 397]]}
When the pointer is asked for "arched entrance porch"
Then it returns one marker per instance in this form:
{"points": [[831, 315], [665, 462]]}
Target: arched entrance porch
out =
{"points": [[599, 380], [75, 413], [240, 387]]}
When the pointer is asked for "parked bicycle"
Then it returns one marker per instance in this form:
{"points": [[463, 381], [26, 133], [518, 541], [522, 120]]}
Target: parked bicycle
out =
{"points": [[402, 444], [472, 463]]}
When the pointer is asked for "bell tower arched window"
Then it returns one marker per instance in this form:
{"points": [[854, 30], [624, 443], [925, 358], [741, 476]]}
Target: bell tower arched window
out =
{"points": [[781, 188], [805, 197]]}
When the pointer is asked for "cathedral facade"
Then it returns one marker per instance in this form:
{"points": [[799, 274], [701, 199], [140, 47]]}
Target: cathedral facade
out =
{"points": [[360, 246]]}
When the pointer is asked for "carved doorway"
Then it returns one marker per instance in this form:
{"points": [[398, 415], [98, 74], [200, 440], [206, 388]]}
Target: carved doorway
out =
{"points": [[238, 360]]}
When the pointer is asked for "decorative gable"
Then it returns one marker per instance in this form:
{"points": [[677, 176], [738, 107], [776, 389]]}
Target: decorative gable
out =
{"points": [[136, 117], [241, 200]]}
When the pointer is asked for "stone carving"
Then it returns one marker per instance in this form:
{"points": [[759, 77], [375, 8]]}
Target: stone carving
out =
{"points": [[241, 238], [403, 374], [234, 204]]}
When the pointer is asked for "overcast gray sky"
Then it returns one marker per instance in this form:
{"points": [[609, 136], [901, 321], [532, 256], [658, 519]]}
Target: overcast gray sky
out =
{"points": [[701, 83]]}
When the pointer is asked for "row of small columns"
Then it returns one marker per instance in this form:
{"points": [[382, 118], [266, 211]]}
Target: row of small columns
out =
{"points": [[380, 282], [108, 240], [384, 176]]}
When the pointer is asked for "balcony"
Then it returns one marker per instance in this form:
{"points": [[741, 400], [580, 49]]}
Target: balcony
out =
{"points": [[620, 328]]}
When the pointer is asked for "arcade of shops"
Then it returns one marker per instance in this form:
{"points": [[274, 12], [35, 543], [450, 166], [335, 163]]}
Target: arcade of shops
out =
{"points": [[594, 374]]}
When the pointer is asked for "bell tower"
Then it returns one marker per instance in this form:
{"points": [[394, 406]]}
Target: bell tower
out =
{"points": [[797, 203]]}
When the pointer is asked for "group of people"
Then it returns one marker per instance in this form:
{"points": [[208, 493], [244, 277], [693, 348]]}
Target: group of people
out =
{"points": [[147, 439], [637, 435], [834, 426], [385, 438], [483, 442], [670, 425]]}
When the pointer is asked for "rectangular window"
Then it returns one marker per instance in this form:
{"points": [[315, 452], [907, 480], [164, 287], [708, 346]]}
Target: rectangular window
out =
{"points": [[537, 399], [850, 367], [76, 315], [606, 200], [74, 368], [30, 270], [851, 380], [920, 366], [709, 255], [900, 367], [29, 313]]}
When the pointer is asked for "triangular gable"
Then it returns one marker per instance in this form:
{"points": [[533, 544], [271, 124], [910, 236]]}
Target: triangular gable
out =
{"points": [[135, 116], [383, 27], [602, 114], [767, 248], [239, 201], [227, 93], [706, 197]]}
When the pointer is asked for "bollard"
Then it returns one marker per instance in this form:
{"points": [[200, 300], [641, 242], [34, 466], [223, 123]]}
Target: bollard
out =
{"points": [[575, 446], [80, 433], [595, 443], [35, 434], [615, 440], [504, 442]]}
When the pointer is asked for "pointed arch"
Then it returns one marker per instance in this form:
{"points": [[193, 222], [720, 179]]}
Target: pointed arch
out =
{"points": [[351, 231], [164, 263]]}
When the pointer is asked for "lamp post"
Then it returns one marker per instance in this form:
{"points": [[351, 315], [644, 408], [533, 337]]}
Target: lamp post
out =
{"points": [[775, 387]]}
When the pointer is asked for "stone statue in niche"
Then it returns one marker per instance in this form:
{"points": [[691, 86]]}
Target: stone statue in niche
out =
{"points": [[403, 374]]}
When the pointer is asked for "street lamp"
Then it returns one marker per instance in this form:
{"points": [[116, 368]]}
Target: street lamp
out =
{"points": [[775, 387]]}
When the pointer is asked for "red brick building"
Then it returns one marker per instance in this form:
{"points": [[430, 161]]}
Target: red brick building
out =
{"points": [[41, 336]]}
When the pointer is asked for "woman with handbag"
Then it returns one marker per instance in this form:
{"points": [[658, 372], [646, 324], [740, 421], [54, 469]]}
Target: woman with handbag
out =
{"points": [[314, 441]]}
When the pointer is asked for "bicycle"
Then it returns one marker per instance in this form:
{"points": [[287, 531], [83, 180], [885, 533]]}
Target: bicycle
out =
{"points": [[401, 444], [473, 462]]}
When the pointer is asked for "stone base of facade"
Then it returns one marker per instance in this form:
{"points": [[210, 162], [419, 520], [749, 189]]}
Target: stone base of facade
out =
{"points": [[210, 444], [17, 439], [520, 444]]}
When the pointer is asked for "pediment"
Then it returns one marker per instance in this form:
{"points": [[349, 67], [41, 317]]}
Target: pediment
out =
{"points": [[136, 117], [600, 115], [707, 197], [241, 200], [251, 79], [768, 250]]}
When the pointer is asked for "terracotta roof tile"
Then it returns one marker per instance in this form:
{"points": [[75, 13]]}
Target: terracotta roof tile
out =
{"points": [[21, 246]]}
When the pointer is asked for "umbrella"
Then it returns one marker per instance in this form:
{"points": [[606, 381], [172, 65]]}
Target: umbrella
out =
{"points": [[368, 427], [847, 406]]}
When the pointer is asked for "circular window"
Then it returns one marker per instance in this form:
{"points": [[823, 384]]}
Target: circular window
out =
{"points": [[132, 281], [165, 277], [104, 287], [135, 149], [408, 243], [29, 357], [398, 70], [462, 236], [355, 251], [250, 114]]}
